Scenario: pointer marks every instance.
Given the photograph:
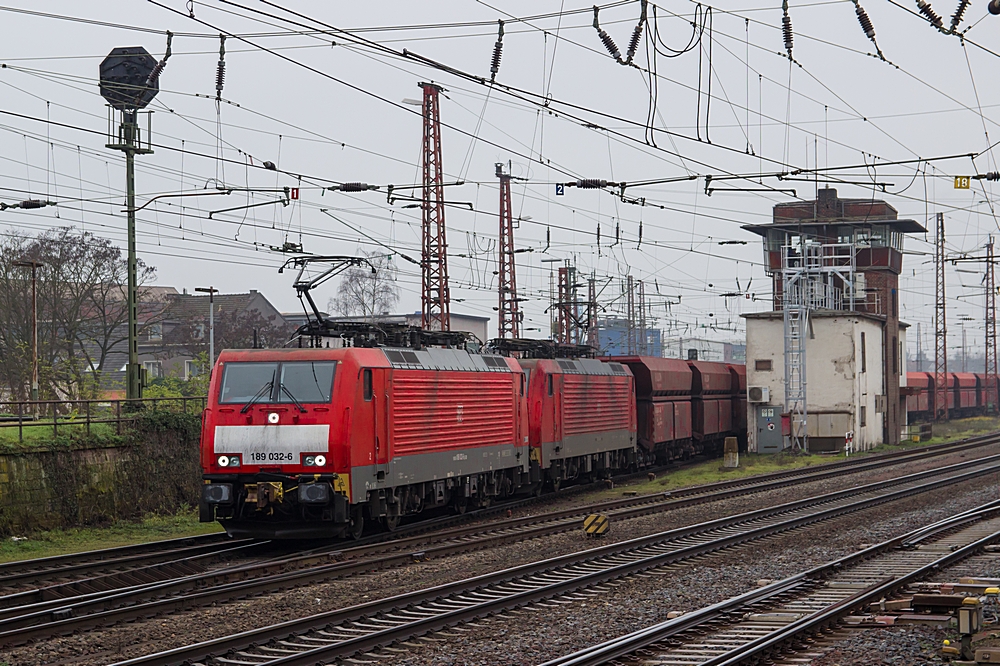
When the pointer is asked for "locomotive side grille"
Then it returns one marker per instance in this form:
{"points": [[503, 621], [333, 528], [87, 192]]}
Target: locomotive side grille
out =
{"points": [[595, 404], [466, 410]]}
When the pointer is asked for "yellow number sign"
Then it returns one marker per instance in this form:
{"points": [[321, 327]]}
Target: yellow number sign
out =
{"points": [[961, 182]]}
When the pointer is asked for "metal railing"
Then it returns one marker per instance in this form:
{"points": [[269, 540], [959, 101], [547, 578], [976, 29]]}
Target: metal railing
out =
{"points": [[65, 414]]}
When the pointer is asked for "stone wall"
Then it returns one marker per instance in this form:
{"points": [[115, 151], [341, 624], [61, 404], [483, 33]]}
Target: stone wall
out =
{"points": [[153, 467]]}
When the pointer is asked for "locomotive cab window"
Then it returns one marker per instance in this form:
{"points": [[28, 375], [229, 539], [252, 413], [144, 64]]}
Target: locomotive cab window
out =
{"points": [[241, 382], [291, 382], [367, 374]]}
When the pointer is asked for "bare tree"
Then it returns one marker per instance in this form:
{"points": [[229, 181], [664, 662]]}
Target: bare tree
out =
{"points": [[82, 311], [366, 293]]}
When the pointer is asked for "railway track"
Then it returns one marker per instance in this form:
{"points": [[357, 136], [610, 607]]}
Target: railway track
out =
{"points": [[762, 625], [162, 560], [69, 607], [391, 622]]}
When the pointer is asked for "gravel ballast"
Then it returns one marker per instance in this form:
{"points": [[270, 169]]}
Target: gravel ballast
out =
{"points": [[552, 631]]}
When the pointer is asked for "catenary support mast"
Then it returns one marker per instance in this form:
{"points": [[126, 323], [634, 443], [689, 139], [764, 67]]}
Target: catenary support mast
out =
{"points": [[435, 298]]}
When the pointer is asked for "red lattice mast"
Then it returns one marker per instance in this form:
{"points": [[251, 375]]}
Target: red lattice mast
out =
{"points": [[991, 330], [510, 316], [435, 297]]}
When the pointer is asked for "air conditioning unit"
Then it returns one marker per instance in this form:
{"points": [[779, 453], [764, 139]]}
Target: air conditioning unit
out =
{"points": [[759, 394]]}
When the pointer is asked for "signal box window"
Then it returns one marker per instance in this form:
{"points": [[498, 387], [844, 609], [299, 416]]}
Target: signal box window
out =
{"points": [[762, 365], [862, 416], [368, 385]]}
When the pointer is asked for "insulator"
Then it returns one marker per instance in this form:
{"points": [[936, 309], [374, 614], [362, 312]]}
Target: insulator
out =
{"points": [[609, 43], [158, 69], [926, 10], [994, 7], [956, 18], [786, 31], [866, 23], [354, 187], [31, 203], [155, 74], [992, 175], [633, 44], [220, 72], [220, 76], [497, 54], [591, 183]]}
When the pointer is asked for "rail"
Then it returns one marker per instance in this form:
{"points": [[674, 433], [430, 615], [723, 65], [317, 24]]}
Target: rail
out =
{"points": [[55, 414]]}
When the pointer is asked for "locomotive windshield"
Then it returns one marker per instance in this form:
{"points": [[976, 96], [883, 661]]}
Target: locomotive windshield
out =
{"points": [[293, 382]]}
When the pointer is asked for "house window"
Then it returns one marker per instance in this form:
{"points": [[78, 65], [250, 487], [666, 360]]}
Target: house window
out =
{"points": [[153, 369], [862, 416], [154, 332], [191, 369], [368, 384], [199, 332], [763, 365], [864, 355]]}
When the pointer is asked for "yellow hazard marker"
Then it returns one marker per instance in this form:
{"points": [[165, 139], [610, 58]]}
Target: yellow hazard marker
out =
{"points": [[596, 524]]}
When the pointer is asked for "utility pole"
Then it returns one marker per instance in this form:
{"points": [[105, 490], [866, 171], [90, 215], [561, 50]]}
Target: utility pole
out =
{"points": [[991, 329], [509, 315], [212, 291], [34, 266], [920, 350], [630, 315], [593, 335], [940, 327], [129, 82], [436, 298], [643, 347]]}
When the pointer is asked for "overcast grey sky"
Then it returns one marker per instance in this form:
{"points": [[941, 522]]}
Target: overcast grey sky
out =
{"points": [[332, 111]]}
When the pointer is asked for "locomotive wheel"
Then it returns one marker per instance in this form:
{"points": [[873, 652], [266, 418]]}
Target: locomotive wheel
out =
{"points": [[556, 482], [357, 526], [391, 522], [461, 505]]}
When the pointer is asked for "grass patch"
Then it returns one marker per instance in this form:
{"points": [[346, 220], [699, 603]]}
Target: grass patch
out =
{"points": [[42, 432], [121, 533]]}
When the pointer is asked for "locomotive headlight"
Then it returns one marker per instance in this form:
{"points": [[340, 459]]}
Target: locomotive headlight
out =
{"points": [[320, 461], [223, 461], [229, 461], [310, 461]]}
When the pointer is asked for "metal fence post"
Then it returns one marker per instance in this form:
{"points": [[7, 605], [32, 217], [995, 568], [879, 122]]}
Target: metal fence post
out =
{"points": [[55, 421], [87, 403], [20, 422], [118, 417]]}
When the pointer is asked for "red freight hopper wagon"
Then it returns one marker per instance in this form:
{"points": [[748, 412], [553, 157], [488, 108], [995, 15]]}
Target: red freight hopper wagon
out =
{"points": [[966, 388], [582, 416], [315, 442], [663, 405], [920, 386], [712, 391]]}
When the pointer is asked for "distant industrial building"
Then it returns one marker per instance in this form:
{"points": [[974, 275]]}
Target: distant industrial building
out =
{"points": [[835, 265], [613, 339]]}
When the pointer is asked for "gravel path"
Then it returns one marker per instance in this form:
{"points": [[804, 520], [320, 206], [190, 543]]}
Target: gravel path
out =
{"points": [[896, 646], [710, 579]]}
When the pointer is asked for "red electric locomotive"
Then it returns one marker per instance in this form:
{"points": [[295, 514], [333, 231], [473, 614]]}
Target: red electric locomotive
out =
{"points": [[315, 442]]}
